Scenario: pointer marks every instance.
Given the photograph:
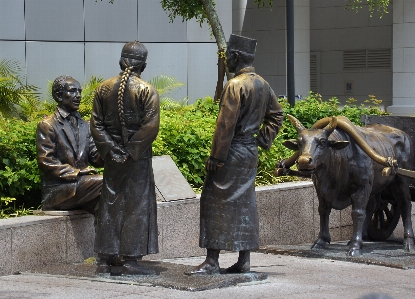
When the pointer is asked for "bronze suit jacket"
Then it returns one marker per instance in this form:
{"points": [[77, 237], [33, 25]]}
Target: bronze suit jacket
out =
{"points": [[60, 158]]}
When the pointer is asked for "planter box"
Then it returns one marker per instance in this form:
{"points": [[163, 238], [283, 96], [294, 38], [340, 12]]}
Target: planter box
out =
{"points": [[287, 213]]}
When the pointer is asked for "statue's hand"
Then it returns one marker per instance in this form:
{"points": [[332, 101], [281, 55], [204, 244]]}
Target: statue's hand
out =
{"points": [[212, 164], [88, 170], [118, 154]]}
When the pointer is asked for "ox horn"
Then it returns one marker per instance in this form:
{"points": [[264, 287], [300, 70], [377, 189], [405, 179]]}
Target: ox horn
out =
{"points": [[296, 123], [331, 126]]}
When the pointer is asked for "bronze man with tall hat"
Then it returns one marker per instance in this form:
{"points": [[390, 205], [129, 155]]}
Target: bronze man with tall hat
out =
{"points": [[65, 149], [249, 116], [125, 121]]}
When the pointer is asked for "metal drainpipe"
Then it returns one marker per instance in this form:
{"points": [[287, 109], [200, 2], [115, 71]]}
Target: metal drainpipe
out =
{"points": [[290, 51]]}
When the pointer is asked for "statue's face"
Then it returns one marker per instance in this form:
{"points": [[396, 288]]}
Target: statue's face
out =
{"points": [[231, 61], [71, 95]]}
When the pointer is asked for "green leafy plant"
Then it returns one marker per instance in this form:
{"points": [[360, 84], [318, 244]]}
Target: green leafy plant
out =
{"points": [[166, 85], [19, 173], [16, 98], [313, 108]]}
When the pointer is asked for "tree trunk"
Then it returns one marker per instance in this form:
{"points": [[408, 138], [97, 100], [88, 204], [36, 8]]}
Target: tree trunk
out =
{"points": [[220, 41]]}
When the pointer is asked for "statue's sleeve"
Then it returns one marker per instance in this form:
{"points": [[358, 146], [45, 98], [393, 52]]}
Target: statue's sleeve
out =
{"points": [[225, 124], [141, 140], [103, 140], [94, 157], [272, 122], [47, 157]]}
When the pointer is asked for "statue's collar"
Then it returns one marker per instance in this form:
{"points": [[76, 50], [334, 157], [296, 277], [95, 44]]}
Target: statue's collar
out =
{"points": [[249, 69], [64, 114]]}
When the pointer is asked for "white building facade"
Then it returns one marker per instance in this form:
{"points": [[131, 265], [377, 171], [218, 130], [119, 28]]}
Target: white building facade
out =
{"points": [[338, 53]]}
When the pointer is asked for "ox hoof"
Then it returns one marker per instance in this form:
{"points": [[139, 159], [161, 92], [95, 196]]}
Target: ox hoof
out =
{"points": [[408, 245], [319, 244], [354, 252]]}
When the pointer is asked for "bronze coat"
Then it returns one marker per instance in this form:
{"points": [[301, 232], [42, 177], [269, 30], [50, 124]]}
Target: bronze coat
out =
{"points": [[60, 159], [127, 215], [228, 213]]}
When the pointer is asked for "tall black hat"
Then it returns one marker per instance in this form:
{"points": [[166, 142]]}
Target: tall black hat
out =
{"points": [[134, 50], [242, 43]]}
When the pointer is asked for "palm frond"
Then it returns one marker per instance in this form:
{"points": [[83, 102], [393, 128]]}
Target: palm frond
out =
{"points": [[15, 95], [165, 84], [172, 104]]}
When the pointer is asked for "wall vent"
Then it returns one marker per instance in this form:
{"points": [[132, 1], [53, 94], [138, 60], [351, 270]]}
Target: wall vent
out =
{"points": [[367, 59], [313, 73]]}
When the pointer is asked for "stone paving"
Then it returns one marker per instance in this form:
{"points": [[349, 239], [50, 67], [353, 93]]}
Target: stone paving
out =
{"points": [[288, 277]]}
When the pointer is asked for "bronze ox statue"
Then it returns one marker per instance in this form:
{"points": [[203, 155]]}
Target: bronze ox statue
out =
{"points": [[352, 165]]}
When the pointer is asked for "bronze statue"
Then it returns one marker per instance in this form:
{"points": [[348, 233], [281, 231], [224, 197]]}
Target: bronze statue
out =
{"points": [[65, 148], [250, 116], [125, 121], [347, 167]]}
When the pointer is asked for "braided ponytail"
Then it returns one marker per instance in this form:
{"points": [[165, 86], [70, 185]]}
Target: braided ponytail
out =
{"points": [[120, 101]]}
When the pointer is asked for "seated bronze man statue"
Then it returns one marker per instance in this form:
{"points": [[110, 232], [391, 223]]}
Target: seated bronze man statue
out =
{"points": [[65, 149]]}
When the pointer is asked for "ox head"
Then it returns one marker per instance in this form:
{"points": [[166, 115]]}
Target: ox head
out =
{"points": [[313, 144]]}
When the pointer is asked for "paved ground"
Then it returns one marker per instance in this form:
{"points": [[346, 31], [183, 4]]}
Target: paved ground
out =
{"points": [[288, 277]]}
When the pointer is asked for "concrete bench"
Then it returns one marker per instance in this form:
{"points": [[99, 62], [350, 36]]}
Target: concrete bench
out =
{"points": [[287, 213]]}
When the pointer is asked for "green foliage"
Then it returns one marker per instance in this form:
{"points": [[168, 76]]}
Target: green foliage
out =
{"points": [[87, 96], [165, 84], [186, 135], [8, 208], [16, 98], [313, 108], [381, 6], [19, 173], [187, 9]]}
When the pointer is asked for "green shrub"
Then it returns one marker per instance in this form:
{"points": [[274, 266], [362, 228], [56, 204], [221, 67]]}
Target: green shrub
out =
{"points": [[17, 99], [19, 173], [313, 108]]}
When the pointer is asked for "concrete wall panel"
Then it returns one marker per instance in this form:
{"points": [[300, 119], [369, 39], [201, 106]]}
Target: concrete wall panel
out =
{"points": [[169, 59], [202, 59], [102, 59], [111, 22], [13, 50], [12, 20], [154, 24], [54, 20], [48, 60]]}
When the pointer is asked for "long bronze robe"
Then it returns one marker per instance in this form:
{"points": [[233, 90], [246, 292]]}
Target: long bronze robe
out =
{"points": [[228, 212], [127, 214]]}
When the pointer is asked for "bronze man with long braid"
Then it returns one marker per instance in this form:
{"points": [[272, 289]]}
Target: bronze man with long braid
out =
{"points": [[249, 116], [124, 123]]}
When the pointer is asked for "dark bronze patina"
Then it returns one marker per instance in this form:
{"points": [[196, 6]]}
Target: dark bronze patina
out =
{"points": [[352, 165], [65, 149], [125, 121], [228, 212]]}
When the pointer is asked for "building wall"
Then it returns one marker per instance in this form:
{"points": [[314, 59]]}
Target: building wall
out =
{"points": [[82, 38], [268, 27], [403, 58], [335, 30]]}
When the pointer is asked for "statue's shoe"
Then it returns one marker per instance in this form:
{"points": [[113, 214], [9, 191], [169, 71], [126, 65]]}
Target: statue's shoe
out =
{"points": [[133, 268], [204, 269], [239, 268]]}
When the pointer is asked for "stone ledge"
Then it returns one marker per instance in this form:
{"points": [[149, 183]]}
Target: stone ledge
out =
{"points": [[287, 212]]}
